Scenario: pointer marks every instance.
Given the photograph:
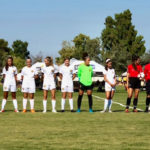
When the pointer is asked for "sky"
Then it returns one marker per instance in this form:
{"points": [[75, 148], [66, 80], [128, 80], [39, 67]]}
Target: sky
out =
{"points": [[45, 24]]}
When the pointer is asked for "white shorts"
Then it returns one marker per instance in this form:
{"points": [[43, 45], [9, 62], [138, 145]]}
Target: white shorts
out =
{"points": [[68, 89], [28, 90], [49, 87], [9, 88], [108, 88]]}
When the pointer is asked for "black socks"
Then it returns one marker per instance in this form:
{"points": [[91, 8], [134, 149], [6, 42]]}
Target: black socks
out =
{"points": [[79, 101], [128, 103], [135, 101], [90, 101]]}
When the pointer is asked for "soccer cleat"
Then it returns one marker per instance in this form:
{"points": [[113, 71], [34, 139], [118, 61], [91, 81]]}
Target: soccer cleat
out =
{"points": [[62, 110], [103, 111], [44, 111], [24, 111], [78, 111], [54, 111], [110, 111], [32, 111], [16, 111], [127, 110], [90, 110], [2, 111], [146, 111], [72, 110], [135, 110]]}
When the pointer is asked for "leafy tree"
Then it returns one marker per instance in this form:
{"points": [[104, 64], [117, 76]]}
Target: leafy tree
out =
{"points": [[20, 49], [120, 40], [67, 51], [4, 51]]}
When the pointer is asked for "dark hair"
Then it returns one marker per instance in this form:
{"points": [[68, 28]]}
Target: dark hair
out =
{"points": [[134, 58], [50, 59], [6, 65], [67, 58], [84, 56], [106, 67], [29, 58]]}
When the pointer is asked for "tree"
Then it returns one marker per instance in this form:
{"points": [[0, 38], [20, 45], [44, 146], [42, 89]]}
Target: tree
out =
{"points": [[120, 40], [145, 59], [4, 51], [80, 42], [20, 49], [67, 51]]}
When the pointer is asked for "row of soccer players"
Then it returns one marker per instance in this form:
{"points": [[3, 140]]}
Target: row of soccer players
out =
{"points": [[67, 75]]}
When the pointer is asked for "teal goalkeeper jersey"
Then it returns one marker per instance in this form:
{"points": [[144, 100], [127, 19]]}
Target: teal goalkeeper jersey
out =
{"points": [[85, 74]]}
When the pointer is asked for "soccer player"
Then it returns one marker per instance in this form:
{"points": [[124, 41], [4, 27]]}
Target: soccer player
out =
{"points": [[110, 83], [49, 75], [85, 73], [67, 76], [133, 82], [29, 74], [10, 78], [147, 78]]}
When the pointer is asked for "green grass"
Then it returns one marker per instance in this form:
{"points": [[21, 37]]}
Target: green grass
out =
{"points": [[85, 131]]}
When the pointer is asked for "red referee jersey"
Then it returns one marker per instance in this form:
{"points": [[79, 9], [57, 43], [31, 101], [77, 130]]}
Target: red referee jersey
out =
{"points": [[147, 72], [134, 73]]}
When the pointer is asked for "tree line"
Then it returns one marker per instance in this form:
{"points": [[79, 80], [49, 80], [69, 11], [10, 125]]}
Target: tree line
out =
{"points": [[119, 40]]}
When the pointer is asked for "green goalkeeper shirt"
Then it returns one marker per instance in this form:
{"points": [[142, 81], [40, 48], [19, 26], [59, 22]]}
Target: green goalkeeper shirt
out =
{"points": [[85, 74]]}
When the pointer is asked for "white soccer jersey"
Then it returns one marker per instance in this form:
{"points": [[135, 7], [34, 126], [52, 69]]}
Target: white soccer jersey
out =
{"points": [[110, 75], [67, 75], [10, 75], [48, 72], [28, 74]]}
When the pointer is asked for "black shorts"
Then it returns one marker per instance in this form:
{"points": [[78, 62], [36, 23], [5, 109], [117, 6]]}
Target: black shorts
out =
{"points": [[84, 87], [134, 83], [148, 87]]}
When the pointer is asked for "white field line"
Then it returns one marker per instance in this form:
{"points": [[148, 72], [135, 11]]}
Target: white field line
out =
{"points": [[100, 98]]}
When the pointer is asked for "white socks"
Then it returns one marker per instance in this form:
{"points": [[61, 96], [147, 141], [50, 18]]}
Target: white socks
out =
{"points": [[105, 104], [32, 104], [44, 105], [53, 104], [71, 103], [63, 101], [15, 104], [24, 103], [3, 104]]}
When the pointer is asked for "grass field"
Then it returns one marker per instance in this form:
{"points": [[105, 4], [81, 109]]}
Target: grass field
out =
{"points": [[84, 131]]}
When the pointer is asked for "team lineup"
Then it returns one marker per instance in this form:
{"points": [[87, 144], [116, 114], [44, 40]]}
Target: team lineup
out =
{"points": [[67, 74]]}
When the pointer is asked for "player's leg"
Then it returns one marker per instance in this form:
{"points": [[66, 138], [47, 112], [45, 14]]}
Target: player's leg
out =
{"points": [[5, 96], [90, 99], [45, 94], [135, 101], [25, 99], [148, 95], [81, 92], [53, 91], [128, 102], [70, 96], [14, 101], [63, 101], [110, 100], [31, 96], [106, 102]]}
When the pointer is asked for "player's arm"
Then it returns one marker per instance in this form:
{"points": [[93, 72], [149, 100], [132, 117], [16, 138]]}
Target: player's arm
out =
{"points": [[79, 72], [127, 80], [74, 75], [60, 76], [16, 72]]}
